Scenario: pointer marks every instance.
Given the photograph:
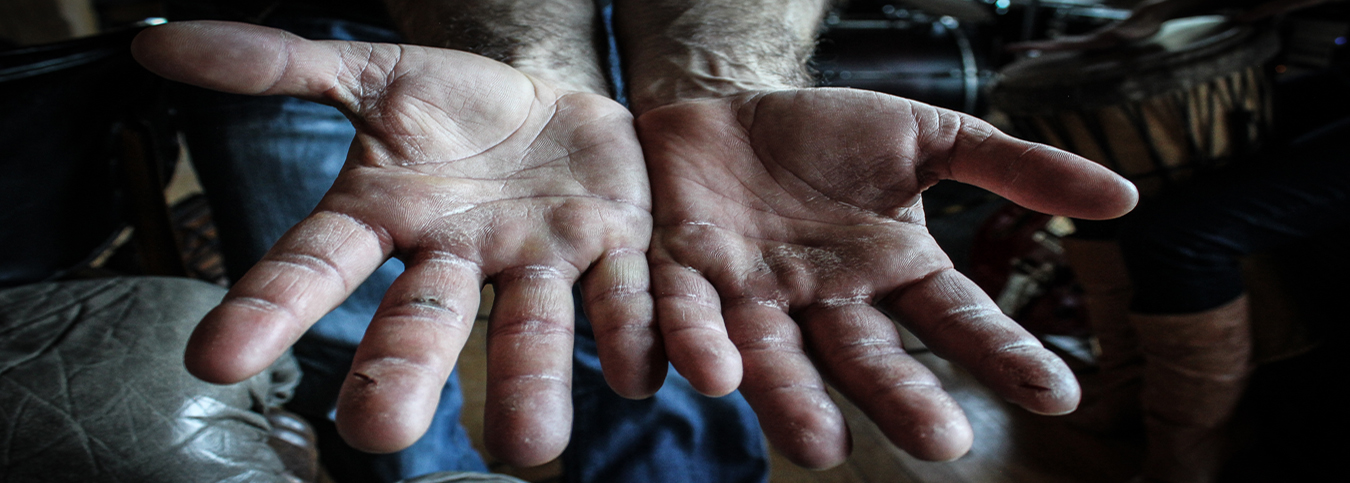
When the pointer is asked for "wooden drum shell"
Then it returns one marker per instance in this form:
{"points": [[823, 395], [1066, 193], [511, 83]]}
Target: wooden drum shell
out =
{"points": [[1156, 113]]}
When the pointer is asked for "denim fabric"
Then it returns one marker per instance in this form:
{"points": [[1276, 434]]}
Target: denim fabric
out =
{"points": [[678, 435], [265, 163]]}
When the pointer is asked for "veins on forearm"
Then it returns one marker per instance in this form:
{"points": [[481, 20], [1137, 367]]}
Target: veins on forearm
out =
{"points": [[738, 41], [677, 49]]}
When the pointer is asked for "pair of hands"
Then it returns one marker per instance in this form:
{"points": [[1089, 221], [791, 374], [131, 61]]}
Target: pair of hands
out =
{"points": [[786, 225]]}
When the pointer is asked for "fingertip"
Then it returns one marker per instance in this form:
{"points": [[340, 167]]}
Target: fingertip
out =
{"points": [[221, 352], [803, 424], [822, 458], [206, 367], [924, 421], [225, 56], [524, 455], [144, 47], [817, 454], [694, 334], [1043, 178], [1105, 194], [715, 371], [946, 442], [1037, 380], [525, 431], [1054, 398], [637, 388], [1075, 186], [386, 409], [1061, 396]]}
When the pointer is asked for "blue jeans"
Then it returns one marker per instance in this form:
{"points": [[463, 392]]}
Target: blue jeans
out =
{"points": [[266, 161]]}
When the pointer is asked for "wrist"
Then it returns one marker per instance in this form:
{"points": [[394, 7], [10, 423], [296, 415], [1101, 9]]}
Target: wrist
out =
{"points": [[697, 73], [564, 77], [551, 40], [679, 50]]}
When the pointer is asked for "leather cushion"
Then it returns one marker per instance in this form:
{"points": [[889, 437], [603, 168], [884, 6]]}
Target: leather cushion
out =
{"points": [[93, 388]]}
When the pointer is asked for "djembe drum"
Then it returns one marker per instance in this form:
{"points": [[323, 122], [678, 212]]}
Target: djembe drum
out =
{"points": [[1192, 97]]}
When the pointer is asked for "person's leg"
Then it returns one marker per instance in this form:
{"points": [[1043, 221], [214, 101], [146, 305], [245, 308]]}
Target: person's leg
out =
{"points": [[1111, 394], [676, 436], [1189, 307], [1183, 250], [264, 163]]}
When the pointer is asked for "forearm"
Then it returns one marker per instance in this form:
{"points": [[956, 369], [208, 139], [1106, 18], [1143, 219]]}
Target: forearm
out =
{"points": [[554, 40], [689, 49]]}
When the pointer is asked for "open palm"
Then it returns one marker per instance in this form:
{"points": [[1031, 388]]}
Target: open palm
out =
{"points": [[467, 170], [789, 224]]}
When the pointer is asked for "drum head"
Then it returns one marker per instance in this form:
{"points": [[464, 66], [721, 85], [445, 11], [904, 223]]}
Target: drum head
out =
{"points": [[1184, 53]]}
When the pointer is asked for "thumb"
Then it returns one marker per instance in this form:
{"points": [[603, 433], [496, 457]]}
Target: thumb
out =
{"points": [[250, 59], [1040, 177]]}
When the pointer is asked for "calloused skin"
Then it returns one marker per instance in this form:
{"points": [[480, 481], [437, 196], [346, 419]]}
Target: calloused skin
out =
{"points": [[789, 224], [469, 171], [786, 224]]}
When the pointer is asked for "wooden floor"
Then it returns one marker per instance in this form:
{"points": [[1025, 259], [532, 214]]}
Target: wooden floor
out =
{"points": [[1011, 445]]}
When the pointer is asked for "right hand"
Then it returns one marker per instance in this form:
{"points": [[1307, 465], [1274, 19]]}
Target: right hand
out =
{"points": [[467, 170], [789, 225]]}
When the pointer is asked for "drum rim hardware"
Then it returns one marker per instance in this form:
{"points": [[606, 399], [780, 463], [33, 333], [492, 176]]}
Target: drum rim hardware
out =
{"points": [[1153, 74]]}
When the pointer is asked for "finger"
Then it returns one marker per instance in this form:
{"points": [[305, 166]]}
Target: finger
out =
{"points": [[1037, 176], [528, 418], [959, 322], [785, 390], [312, 269], [239, 58], [255, 60], [618, 300], [408, 352], [859, 350], [689, 314]]}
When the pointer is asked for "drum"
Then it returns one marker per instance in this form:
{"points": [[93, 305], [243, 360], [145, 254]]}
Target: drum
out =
{"points": [[1193, 97]]}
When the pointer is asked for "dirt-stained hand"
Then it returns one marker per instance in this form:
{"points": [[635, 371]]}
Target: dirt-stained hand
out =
{"points": [[468, 171], [788, 226]]}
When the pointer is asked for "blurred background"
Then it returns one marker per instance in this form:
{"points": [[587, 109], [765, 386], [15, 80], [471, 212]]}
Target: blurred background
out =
{"points": [[128, 203]]}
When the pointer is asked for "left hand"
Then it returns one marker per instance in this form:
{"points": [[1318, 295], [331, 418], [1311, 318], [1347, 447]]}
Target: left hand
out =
{"points": [[789, 224]]}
